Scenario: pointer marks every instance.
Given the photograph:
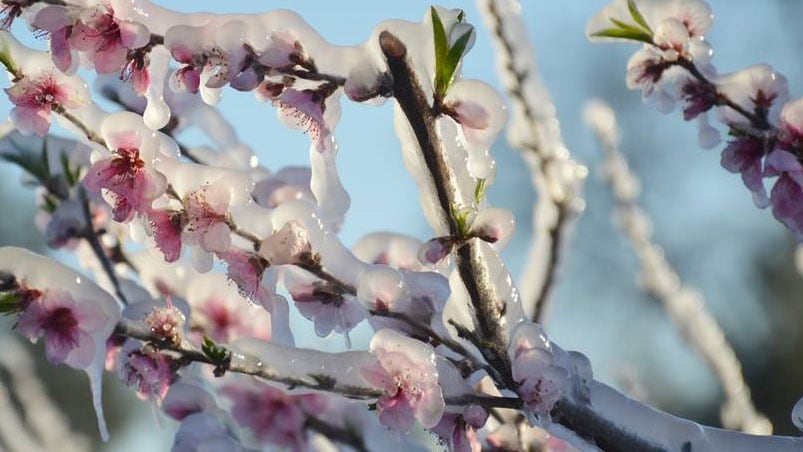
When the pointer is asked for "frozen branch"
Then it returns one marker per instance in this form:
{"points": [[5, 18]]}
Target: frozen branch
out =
{"points": [[421, 117], [535, 131], [684, 305]]}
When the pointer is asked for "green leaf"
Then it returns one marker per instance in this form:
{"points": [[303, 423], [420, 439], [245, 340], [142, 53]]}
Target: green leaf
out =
{"points": [[9, 303], [71, 177], [637, 17], [441, 51], [479, 191], [619, 33], [5, 60], [454, 56]]}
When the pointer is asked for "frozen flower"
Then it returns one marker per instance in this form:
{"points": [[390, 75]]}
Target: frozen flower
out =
{"points": [[66, 325], [458, 434], [245, 269], [166, 226], [645, 70], [222, 313], [106, 39], [328, 309], [34, 97], [744, 155], [73, 315], [287, 246], [479, 111], [405, 370], [127, 174], [149, 371], [790, 136], [435, 250], [758, 90], [206, 218], [394, 250], [541, 380], [166, 323], [57, 21], [304, 110], [274, 417], [494, 225]]}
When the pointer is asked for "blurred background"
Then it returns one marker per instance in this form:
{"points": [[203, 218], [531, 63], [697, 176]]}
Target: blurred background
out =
{"points": [[739, 257]]}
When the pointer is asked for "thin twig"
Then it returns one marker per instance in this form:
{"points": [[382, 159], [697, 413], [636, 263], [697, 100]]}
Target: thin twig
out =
{"points": [[91, 236], [557, 178]]}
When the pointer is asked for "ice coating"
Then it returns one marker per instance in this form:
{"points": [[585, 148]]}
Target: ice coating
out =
{"points": [[42, 273], [157, 112], [299, 363], [395, 250]]}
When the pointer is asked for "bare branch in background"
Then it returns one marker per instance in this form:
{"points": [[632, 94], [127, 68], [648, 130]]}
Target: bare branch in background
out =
{"points": [[535, 131], [684, 305], [30, 420]]}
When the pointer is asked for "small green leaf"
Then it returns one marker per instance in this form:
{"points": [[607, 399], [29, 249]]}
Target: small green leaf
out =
{"points": [[50, 204], [5, 60], [9, 303], [441, 51], [71, 177], [625, 25], [479, 191], [454, 56], [637, 17], [619, 33]]}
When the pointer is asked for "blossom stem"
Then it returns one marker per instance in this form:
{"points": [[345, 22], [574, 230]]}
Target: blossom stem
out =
{"points": [[91, 237], [89, 133]]}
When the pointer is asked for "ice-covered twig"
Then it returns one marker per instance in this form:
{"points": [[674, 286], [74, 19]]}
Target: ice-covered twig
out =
{"points": [[534, 130], [684, 305]]}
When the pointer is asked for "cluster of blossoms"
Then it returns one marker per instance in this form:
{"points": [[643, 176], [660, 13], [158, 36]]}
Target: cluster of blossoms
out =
{"points": [[453, 351], [128, 198], [674, 66]]}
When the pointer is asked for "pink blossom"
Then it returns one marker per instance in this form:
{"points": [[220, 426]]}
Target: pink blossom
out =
{"points": [[34, 98], [273, 416], [405, 370], [744, 154], [287, 246], [106, 39], [326, 308], [757, 89], [58, 22], [494, 225], [67, 326], [166, 323], [206, 218], [541, 380], [221, 313], [245, 269], [150, 372], [206, 431], [457, 434], [126, 175], [480, 122], [166, 226], [304, 110], [435, 250], [695, 16]]}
